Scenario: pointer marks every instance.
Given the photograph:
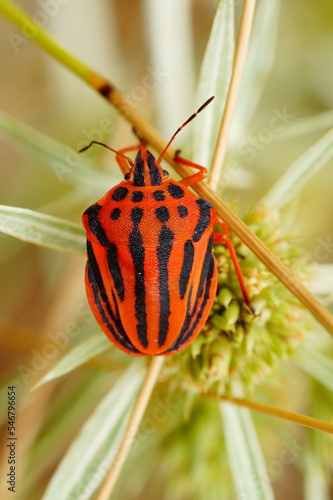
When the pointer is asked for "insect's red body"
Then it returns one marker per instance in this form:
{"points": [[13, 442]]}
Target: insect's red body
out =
{"points": [[151, 275]]}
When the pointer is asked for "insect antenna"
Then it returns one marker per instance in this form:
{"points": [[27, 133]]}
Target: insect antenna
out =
{"points": [[107, 147], [182, 126]]}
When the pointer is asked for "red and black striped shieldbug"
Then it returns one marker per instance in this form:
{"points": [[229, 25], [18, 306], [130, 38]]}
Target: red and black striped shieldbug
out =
{"points": [[151, 276]]}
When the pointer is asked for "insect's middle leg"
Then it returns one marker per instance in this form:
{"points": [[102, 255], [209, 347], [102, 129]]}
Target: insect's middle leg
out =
{"points": [[224, 237]]}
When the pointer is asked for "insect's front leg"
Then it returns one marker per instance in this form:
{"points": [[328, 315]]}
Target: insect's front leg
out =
{"points": [[122, 162], [224, 237], [194, 178]]}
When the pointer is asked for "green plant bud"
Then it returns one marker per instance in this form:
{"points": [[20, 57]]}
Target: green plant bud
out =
{"points": [[225, 297]]}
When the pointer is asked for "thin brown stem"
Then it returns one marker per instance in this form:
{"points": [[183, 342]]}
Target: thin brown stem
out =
{"points": [[297, 418], [132, 427], [235, 81]]}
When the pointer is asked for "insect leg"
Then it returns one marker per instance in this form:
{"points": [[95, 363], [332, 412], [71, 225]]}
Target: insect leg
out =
{"points": [[194, 178], [225, 238], [122, 162]]}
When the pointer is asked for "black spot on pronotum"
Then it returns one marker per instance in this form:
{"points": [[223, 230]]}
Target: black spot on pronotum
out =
{"points": [[138, 254], [137, 196], [186, 267], [176, 191], [115, 214], [183, 212], [120, 193], [163, 255], [204, 218], [162, 213], [95, 225], [136, 216], [159, 195], [113, 264]]}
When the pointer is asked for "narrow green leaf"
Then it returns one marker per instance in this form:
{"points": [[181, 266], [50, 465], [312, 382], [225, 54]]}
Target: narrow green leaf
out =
{"points": [[77, 356], [245, 455], [316, 364], [307, 125], [316, 480], [168, 26], [258, 65], [42, 229], [300, 172], [215, 77], [65, 163], [91, 454]]}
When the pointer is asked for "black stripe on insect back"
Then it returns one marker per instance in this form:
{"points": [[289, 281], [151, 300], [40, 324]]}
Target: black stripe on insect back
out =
{"points": [[96, 282], [206, 276], [112, 258], [186, 267], [139, 179], [95, 225], [205, 299], [123, 340], [204, 218], [163, 255], [155, 176], [186, 323], [137, 251]]}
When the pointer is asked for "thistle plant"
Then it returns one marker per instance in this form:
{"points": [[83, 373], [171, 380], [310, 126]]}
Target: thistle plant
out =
{"points": [[185, 420]]}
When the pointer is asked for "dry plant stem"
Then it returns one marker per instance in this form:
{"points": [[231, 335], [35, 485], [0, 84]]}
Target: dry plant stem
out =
{"points": [[236, 78], [297, 418], [136, 417], [109, 92]]}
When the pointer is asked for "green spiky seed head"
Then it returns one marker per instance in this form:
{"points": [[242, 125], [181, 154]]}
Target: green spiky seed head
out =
{"points": [[234, 343]]}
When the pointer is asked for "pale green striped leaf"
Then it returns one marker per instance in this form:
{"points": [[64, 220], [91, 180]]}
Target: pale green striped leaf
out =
{"points": [[42, 229], [65, 163], [168, 28], [300, 172], [245, 456], [307, 125], [316, 364], [316, 480], [215, 77], [77, 356], [91, 454], [260, 59]]}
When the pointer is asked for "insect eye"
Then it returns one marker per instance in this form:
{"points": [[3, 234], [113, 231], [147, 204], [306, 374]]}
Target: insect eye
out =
{"points": [[127, 176], [165, 173]]}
